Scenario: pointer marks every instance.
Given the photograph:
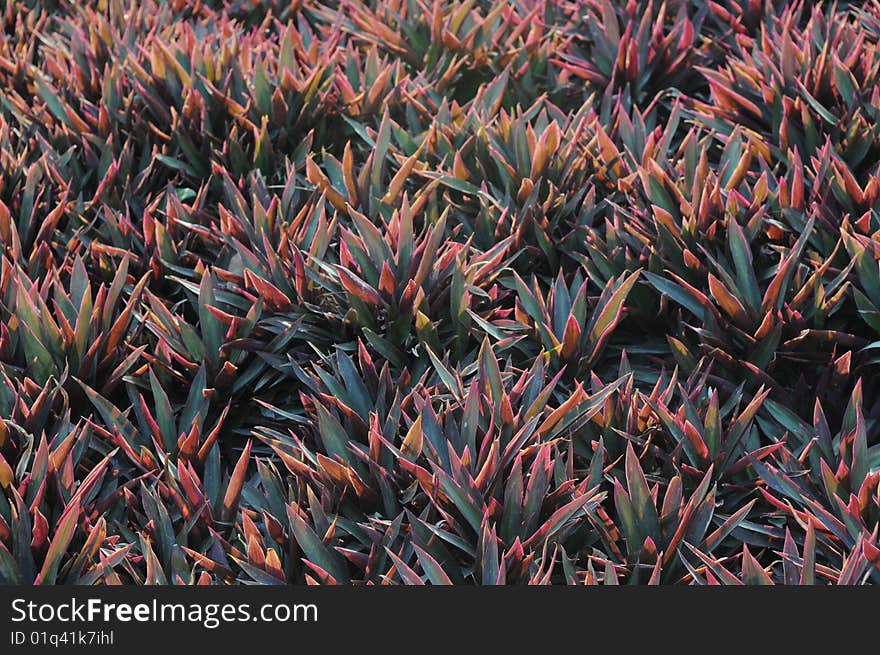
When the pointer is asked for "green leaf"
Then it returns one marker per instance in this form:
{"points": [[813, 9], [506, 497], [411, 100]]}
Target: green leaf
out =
{"points": [[164, 414], [742, 260], [677, 293], [56, 107], [640, 495], [432, 568], [64, 532], [314, 549]]}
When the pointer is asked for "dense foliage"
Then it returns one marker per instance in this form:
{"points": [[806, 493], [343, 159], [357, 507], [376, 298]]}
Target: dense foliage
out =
{"points": [[439, 291]]}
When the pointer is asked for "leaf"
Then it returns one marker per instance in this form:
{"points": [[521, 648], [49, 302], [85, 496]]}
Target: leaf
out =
{"points": [[6, 474], [752, 572], [774, 296], [52, 102], [406, 574], [380, 151], [262, 90], [64, 532], [511, 519], [333, 435], [358, 288], [454, 183], [631, 527], [109, 412], [728, 302], [164, 414], [560, 517], [432, 568], [712, 433], [314, 549], [677, 293], [609, 309], [742, 261], [211, 329], [808, 571], [236, 483], [731, 524], [412, 443], [640, 495], [725, 576]]}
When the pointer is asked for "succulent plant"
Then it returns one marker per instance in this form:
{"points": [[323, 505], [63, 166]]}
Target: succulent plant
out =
{"points": [[439, 292]]}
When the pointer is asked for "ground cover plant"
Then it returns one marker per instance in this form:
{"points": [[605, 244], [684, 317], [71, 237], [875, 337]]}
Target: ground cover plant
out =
{"points": [[439, 291]]}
